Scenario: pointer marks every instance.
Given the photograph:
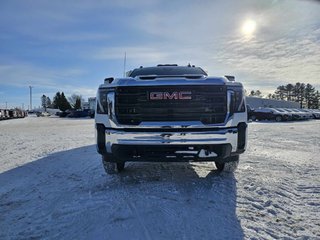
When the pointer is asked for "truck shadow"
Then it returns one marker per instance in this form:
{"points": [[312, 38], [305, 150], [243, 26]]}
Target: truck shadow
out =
{"points": [[68, 195]]}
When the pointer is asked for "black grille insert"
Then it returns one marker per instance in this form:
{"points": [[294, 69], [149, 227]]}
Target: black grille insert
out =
{"points": [[208, 104]]}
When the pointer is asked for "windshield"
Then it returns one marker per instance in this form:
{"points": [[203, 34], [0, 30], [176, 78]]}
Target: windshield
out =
{"points": [[167, 70]]}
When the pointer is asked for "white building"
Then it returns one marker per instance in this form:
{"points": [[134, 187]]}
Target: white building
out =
{"points": [[255, 102], [92, 103]]}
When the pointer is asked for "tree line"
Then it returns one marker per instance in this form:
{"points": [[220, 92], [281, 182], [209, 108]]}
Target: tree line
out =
{"points": [[305, 94], [61, 102]]}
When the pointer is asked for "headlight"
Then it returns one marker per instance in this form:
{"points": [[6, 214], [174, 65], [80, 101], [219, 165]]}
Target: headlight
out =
{"points": [[237, 101], [102, 104]]}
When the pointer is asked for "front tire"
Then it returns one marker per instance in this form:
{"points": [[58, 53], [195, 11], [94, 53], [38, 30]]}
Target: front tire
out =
{"points": [[229, 166], [112, 167]]}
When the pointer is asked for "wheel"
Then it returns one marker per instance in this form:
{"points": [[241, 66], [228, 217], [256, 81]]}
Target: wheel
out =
{"points": [[278, 118], [253, 118], [230, 166], [112, 167]]}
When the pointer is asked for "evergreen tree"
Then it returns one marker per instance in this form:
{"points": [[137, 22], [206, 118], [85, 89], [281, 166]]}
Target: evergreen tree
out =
{"points": [[56, 100], [305, 94], [309, 95], [48, 103], [289, 89], [258, 94], [77, 105], [61, 102], [299, 92], [64, 104], [280, 92], [44, 102], [316, 100], [254, 93]]}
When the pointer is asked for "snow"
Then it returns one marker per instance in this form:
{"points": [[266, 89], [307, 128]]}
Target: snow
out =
{"points": [[203, 154], [52, 186]]}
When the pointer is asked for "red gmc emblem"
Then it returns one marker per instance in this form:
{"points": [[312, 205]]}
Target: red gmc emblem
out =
{"points": [[173, 96]]}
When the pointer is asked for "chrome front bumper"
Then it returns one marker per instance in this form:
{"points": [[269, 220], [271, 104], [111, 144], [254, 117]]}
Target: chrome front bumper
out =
{"points": [[212, 137], [213, 144]]}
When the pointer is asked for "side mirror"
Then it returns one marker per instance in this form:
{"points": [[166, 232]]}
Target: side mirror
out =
{"points": [[108, 80], [230, 78]]}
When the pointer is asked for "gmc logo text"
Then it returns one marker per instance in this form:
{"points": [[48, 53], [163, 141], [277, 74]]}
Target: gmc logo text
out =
{"points": [[186, 95]]}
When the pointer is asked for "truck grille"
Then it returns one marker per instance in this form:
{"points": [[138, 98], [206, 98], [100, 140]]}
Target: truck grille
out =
{"points": [[208, 104]]}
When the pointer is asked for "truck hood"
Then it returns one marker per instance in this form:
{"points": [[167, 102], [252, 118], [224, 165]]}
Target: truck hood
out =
{"points": [[169, 81]]}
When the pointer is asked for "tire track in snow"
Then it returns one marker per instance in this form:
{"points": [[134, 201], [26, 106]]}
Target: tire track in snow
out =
{"points": [[282, 181], [136, 213]]}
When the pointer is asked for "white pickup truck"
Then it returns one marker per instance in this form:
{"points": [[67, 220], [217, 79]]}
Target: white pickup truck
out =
{"points": [[170, 113]]}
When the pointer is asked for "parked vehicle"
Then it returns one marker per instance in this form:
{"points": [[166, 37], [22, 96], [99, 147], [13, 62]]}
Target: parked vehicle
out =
{"points": [[91, 113], [43, 114], [250, 112], [315, 113], [290, 117], [269, 114], [303, 115], [64, 113], [307, 114], [295, 114], [12, 113], [79, 114]]}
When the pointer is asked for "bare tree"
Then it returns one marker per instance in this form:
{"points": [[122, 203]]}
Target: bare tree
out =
{"points": [[76, 101]]}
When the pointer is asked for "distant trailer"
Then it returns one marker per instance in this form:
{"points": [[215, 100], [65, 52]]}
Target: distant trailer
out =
{"points": [[7, 114], [2, 114], [11, 114]]}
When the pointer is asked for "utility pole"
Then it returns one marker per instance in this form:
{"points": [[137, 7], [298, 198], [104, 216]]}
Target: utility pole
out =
{"points": [[30, 98], [6, 105]]}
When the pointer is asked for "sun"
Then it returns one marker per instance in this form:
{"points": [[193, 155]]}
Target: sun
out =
{"points": [[249, 27]]}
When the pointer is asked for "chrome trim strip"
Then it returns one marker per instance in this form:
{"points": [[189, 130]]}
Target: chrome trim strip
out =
{"points": [[172, 138]]}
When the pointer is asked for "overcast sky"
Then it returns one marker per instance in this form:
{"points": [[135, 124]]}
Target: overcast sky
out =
{"points": [[72, 46]]}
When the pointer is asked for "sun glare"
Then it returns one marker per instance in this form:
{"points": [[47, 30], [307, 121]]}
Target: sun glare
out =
{"points": [[248, 27]]}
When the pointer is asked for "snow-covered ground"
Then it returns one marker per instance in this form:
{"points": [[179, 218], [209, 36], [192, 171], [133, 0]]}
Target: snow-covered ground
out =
{"points": [[52, 186]]}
